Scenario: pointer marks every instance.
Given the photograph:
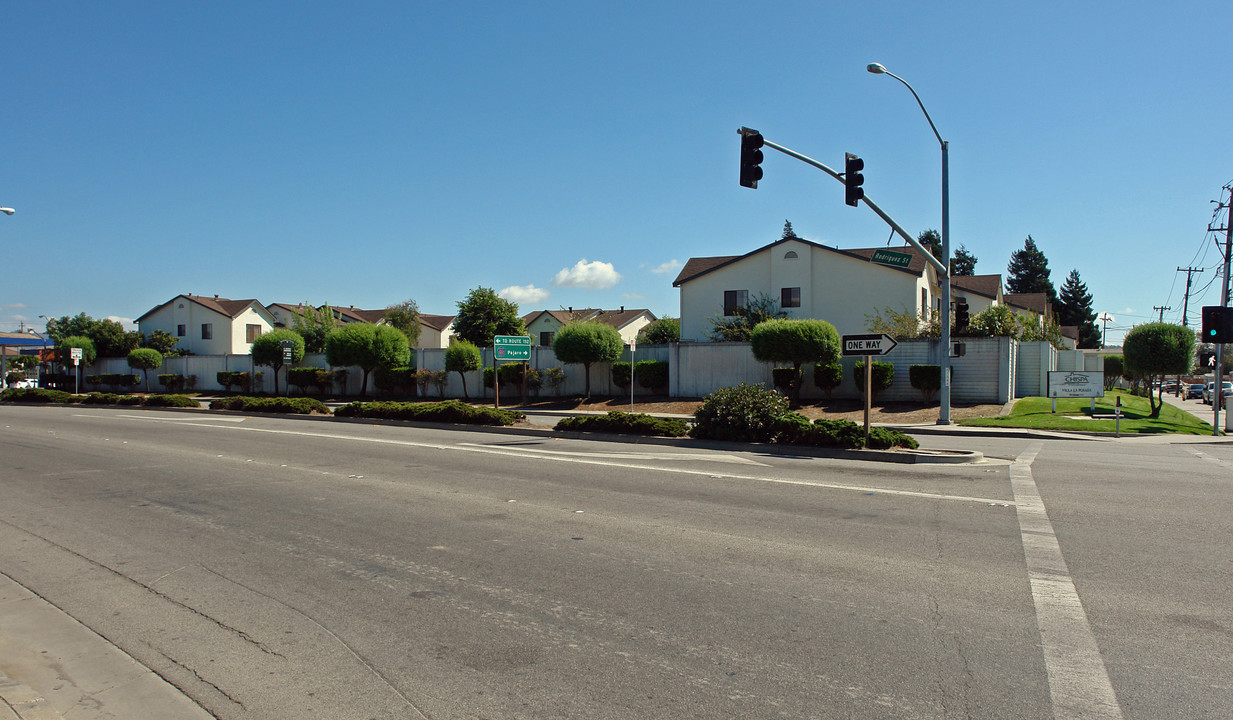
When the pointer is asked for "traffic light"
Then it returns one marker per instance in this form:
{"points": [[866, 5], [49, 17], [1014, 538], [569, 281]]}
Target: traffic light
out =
{"points": [[751, 157], [852, 179], [962, 316], [1217, 324]]}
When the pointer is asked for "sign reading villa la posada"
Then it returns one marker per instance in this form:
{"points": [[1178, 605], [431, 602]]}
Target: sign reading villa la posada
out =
{"points": [[1075, 383]]}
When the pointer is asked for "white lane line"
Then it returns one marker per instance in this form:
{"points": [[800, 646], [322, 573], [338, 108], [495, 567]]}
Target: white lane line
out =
{"points": [[1078, 681], [708, 457], [187, 419], [521, 453]]}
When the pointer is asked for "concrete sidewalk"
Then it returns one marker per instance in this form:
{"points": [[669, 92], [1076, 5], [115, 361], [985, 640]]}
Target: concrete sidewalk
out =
{"points": [[53, 667]]}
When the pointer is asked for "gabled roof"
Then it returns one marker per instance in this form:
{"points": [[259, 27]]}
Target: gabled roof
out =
{"points": [[616, 318], [986, 285], [697, 267], [220, 305], [1036, 302], [352, 314], [436, 322]]}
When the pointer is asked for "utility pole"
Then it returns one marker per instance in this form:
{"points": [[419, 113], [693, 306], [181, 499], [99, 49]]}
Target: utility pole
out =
{"points": [[1104, 329], [1161, 309], [1190, 271], [1218, 388]]}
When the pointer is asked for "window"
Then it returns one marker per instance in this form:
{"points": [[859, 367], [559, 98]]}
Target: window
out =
{"points": [[207, 331], [735, 299], [181, 330], [790, 255], [790, 297], [545, 339], [251, 332]]}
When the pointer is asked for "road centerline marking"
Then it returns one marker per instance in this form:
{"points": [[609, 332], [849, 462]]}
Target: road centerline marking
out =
{"points": [[1079, 684]]}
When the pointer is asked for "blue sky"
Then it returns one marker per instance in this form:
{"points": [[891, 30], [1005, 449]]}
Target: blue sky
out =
{"points": [[576, 154]]}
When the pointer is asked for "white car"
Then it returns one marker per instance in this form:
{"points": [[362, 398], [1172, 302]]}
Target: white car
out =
{"points": [[1209, 391]]}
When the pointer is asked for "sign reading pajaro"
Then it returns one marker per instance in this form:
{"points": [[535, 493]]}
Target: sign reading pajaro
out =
{"points": [[511, 347]]}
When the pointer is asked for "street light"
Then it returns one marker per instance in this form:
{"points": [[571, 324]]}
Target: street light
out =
{"points": [[944, 394], [7, 211]]}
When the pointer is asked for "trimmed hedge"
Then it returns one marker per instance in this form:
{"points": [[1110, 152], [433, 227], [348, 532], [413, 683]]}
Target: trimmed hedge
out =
{"points": [[927, 379], [242, 403], [38, 395], [652, 374], [828, 376], [176, 383], [43, 395], [626, 424], [448, 411]]}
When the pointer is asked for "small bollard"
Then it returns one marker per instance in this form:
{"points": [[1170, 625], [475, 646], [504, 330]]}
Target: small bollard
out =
{"points": [[1117, 418]]}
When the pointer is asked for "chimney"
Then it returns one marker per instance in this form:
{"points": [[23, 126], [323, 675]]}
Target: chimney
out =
{"points": [[571, 308], [215, 296], [622, 308]]}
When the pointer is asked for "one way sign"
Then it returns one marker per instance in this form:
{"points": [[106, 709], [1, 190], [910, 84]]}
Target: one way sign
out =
{"points": [[879, 344]]}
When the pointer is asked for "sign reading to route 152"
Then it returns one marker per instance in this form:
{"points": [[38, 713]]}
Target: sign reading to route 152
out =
{"points": [[512, 347], [879, 344]]}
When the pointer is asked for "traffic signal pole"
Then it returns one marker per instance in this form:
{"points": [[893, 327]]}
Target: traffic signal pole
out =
{"points": [[943, 268], [1218, 388]]}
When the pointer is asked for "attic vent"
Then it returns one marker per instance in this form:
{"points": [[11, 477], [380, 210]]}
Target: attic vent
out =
{"points": [[180, 306], [790, 255]]}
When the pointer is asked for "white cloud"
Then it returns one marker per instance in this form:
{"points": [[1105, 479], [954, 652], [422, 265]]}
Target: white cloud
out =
{"points": [[528, 294], [669, 267], [128, 323], [592, 276]]}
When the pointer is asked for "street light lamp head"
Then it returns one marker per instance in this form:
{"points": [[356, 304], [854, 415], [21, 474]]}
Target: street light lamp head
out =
{"points": [[876, 68], [7, 211]]}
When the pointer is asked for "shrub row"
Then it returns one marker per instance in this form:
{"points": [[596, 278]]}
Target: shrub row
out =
{"points": [[750, 413], [113, 379], [448, 411], [242, 380], [300, 405], [626, 424], [321, 379], [44, 395]]}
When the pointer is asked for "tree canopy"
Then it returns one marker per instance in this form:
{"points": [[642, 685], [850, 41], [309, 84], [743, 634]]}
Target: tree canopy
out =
{"points": [[314, 325], [661, 332], [1157, 349], [963, 262], [109, 336], [406, 317], [932, 240], [367, 346], [587, 342], [1028, 271], [1074, 307], [483, 315], [796, 342], [268, 350], [145, 360], [462, 357]]}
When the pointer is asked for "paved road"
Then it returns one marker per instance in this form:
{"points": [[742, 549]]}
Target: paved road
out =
{"points": [[290, 568]]}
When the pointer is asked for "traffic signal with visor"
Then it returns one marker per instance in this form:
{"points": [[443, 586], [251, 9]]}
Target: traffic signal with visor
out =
{"points": [[853, 193], [1217, 324], [751, 157]]}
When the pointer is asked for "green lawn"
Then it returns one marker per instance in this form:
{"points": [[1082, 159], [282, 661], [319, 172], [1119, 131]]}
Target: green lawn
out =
{"points": [[1075, 414]]}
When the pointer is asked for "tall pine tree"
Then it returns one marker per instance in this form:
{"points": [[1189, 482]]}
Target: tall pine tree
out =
{"points": [[1075, 308], [963, 262], [1028, 272]]}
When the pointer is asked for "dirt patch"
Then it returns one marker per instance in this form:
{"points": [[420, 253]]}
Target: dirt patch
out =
{"points": [[854, 410]]}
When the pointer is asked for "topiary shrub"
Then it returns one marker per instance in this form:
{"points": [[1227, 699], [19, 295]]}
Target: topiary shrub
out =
{"points": [[745, 413], [625, 424], [394, 381], [304, 377], [786, 379], [828, 376], [620, 374], [652, 374], [883, 376], [555, 377], [925, 378]]}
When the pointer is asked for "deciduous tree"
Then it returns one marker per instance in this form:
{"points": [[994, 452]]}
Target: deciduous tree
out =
{"points": [[268, 350], [145, 360], [796, 342], [1155, 350], [587, 342], [367, 346], [484, 315]]}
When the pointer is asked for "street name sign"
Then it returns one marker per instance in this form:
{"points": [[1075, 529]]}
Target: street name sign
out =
{"points": [[511, 347], [880, 344], [893, 258]]}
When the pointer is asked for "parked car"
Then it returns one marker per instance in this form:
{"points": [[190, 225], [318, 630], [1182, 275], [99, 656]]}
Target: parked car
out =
{"points": [[1195, 391], [1209, 391]]}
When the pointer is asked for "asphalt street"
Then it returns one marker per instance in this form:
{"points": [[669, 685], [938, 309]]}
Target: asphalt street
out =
{"points": [[270, 567]]}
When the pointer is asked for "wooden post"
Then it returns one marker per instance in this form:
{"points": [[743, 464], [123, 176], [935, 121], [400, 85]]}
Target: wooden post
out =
{"points": [[868, 393]]}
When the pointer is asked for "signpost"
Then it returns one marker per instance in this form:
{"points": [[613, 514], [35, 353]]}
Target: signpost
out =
{"points": [[76, 355], [288, 347], [506, 348], [868, 346]]}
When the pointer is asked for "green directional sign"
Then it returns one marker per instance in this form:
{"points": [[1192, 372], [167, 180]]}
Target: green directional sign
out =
{"points": [[511, 347], [893, 258]]}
